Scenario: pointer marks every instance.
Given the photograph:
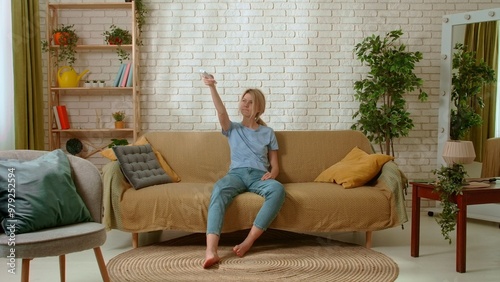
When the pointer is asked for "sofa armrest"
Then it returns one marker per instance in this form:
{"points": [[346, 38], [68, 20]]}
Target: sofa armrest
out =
{"points": [[394, 180], [114, 185]]}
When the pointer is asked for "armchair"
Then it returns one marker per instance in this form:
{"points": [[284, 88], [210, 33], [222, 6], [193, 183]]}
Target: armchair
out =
{"points": [[59, 241]]}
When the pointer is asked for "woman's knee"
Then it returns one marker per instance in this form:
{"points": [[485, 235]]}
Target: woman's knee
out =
{"points": [[227, 187], [276, 190]]}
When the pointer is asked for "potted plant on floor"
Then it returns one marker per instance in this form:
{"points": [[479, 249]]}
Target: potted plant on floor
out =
{"points": [[382, 114], [468, 78], [119, 119], [66, 38], [118, 36]]}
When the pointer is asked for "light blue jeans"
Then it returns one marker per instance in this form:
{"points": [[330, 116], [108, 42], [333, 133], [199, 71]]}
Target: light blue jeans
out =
{"points": [[241, 180]]}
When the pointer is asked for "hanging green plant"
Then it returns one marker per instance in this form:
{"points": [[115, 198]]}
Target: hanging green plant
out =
{"points": [[66, 38], [118, 36], [140, 15], [449, 183]]}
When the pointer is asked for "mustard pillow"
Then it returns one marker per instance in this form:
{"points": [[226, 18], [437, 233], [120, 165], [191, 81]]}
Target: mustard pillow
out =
{"points": [[355, 169], [110, 154]]}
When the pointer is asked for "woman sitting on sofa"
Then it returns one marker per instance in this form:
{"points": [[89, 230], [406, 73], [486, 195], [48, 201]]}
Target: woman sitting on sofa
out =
{"points": [[254, 167]]}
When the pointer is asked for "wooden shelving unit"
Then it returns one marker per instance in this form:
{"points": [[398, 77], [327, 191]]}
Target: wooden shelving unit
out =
{"points": [[55, 93]]}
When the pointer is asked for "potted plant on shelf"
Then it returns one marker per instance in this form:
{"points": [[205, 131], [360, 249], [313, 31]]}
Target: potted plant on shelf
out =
{"points": [[66, 38], [119, 117], [118, 36], [467, 80], [382, 111]]}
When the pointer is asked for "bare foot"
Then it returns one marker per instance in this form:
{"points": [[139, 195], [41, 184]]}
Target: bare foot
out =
{"points": [[241, 249], [210, 260]]}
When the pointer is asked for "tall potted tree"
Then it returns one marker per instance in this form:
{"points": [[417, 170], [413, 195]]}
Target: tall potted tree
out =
{"points": [[468, 78], [382, 114]]}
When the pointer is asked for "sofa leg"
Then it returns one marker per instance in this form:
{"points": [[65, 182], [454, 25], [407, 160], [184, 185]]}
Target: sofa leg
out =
{"points": [[368, 243], [135, 240]]}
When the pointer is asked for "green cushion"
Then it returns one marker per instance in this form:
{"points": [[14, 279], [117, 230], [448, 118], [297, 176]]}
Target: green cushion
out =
{"points": [[41, 194]]}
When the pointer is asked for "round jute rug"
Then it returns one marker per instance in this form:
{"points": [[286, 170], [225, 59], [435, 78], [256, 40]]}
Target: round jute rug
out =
{"points": [[277, 255]]}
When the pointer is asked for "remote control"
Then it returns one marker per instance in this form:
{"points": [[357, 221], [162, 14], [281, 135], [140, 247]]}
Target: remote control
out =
{"points": [[206, 75]]}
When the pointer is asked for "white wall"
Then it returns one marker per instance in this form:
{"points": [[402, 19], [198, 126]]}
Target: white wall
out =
{"points": [[300, 53]]}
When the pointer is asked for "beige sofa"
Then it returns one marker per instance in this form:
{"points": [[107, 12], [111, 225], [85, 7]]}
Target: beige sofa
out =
{"points": [[201, 158]]}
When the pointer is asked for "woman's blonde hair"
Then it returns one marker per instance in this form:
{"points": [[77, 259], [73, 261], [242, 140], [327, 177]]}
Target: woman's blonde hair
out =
{"points": [[259, 104]]}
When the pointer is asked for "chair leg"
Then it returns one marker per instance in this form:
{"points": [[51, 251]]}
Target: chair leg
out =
{"points": [[135, 240], [62, 267], [368, 243], [25, 273], [102, 265]]}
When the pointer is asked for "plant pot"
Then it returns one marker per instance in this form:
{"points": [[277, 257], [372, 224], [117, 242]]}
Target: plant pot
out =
{"points": [[115, 41], [119, 124], [60, 38]]}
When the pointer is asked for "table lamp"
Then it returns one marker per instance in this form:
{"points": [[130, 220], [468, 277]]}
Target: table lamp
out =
{"points": [[458, 152]]}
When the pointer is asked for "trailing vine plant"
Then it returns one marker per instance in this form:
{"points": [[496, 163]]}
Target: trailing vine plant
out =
{"points": [[118, 36], [66, 38], [449, 183]]}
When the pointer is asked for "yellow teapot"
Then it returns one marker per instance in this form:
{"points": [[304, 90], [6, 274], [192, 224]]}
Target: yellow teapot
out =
{"points": [[67, 77]]}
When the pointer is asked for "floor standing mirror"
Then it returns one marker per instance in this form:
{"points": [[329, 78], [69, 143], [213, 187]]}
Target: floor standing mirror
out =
{"points": [[453, 31]]}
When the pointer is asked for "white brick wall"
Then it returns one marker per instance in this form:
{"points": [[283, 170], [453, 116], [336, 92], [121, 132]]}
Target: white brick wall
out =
{"points": [[300, 53]]}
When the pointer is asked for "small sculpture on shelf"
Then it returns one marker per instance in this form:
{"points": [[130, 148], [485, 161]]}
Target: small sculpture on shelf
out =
{"points": [[119, 117]]}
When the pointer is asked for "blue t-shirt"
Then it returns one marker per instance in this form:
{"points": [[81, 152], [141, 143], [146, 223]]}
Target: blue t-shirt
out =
{"points": [[249, 147]]}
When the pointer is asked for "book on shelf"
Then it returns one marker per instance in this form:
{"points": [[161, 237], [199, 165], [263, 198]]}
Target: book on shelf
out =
{"points": [[56, 117], [123, 81], [119, 75], [130, 79], [63, 116]]}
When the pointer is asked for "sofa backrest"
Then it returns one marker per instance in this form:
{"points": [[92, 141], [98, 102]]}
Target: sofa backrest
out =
{"points": [[303, 155]]}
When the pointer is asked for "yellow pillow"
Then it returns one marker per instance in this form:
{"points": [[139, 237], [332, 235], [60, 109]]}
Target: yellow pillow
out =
{"points": [[108, 153], [355, 169]]}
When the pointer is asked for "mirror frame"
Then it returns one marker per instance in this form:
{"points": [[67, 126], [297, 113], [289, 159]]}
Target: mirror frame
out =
{"points": [[449, 21]]}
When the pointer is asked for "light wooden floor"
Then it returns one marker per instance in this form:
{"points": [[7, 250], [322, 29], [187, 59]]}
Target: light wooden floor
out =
{"points": [[437, 261]]}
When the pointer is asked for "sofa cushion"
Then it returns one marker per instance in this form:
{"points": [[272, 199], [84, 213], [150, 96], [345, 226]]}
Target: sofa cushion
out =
{"points": [[110, 154], [355, 169], [140, 166], [39, 194]]}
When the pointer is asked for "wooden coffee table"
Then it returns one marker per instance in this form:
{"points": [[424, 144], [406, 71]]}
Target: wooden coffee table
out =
{"points": [[470, 196]]}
